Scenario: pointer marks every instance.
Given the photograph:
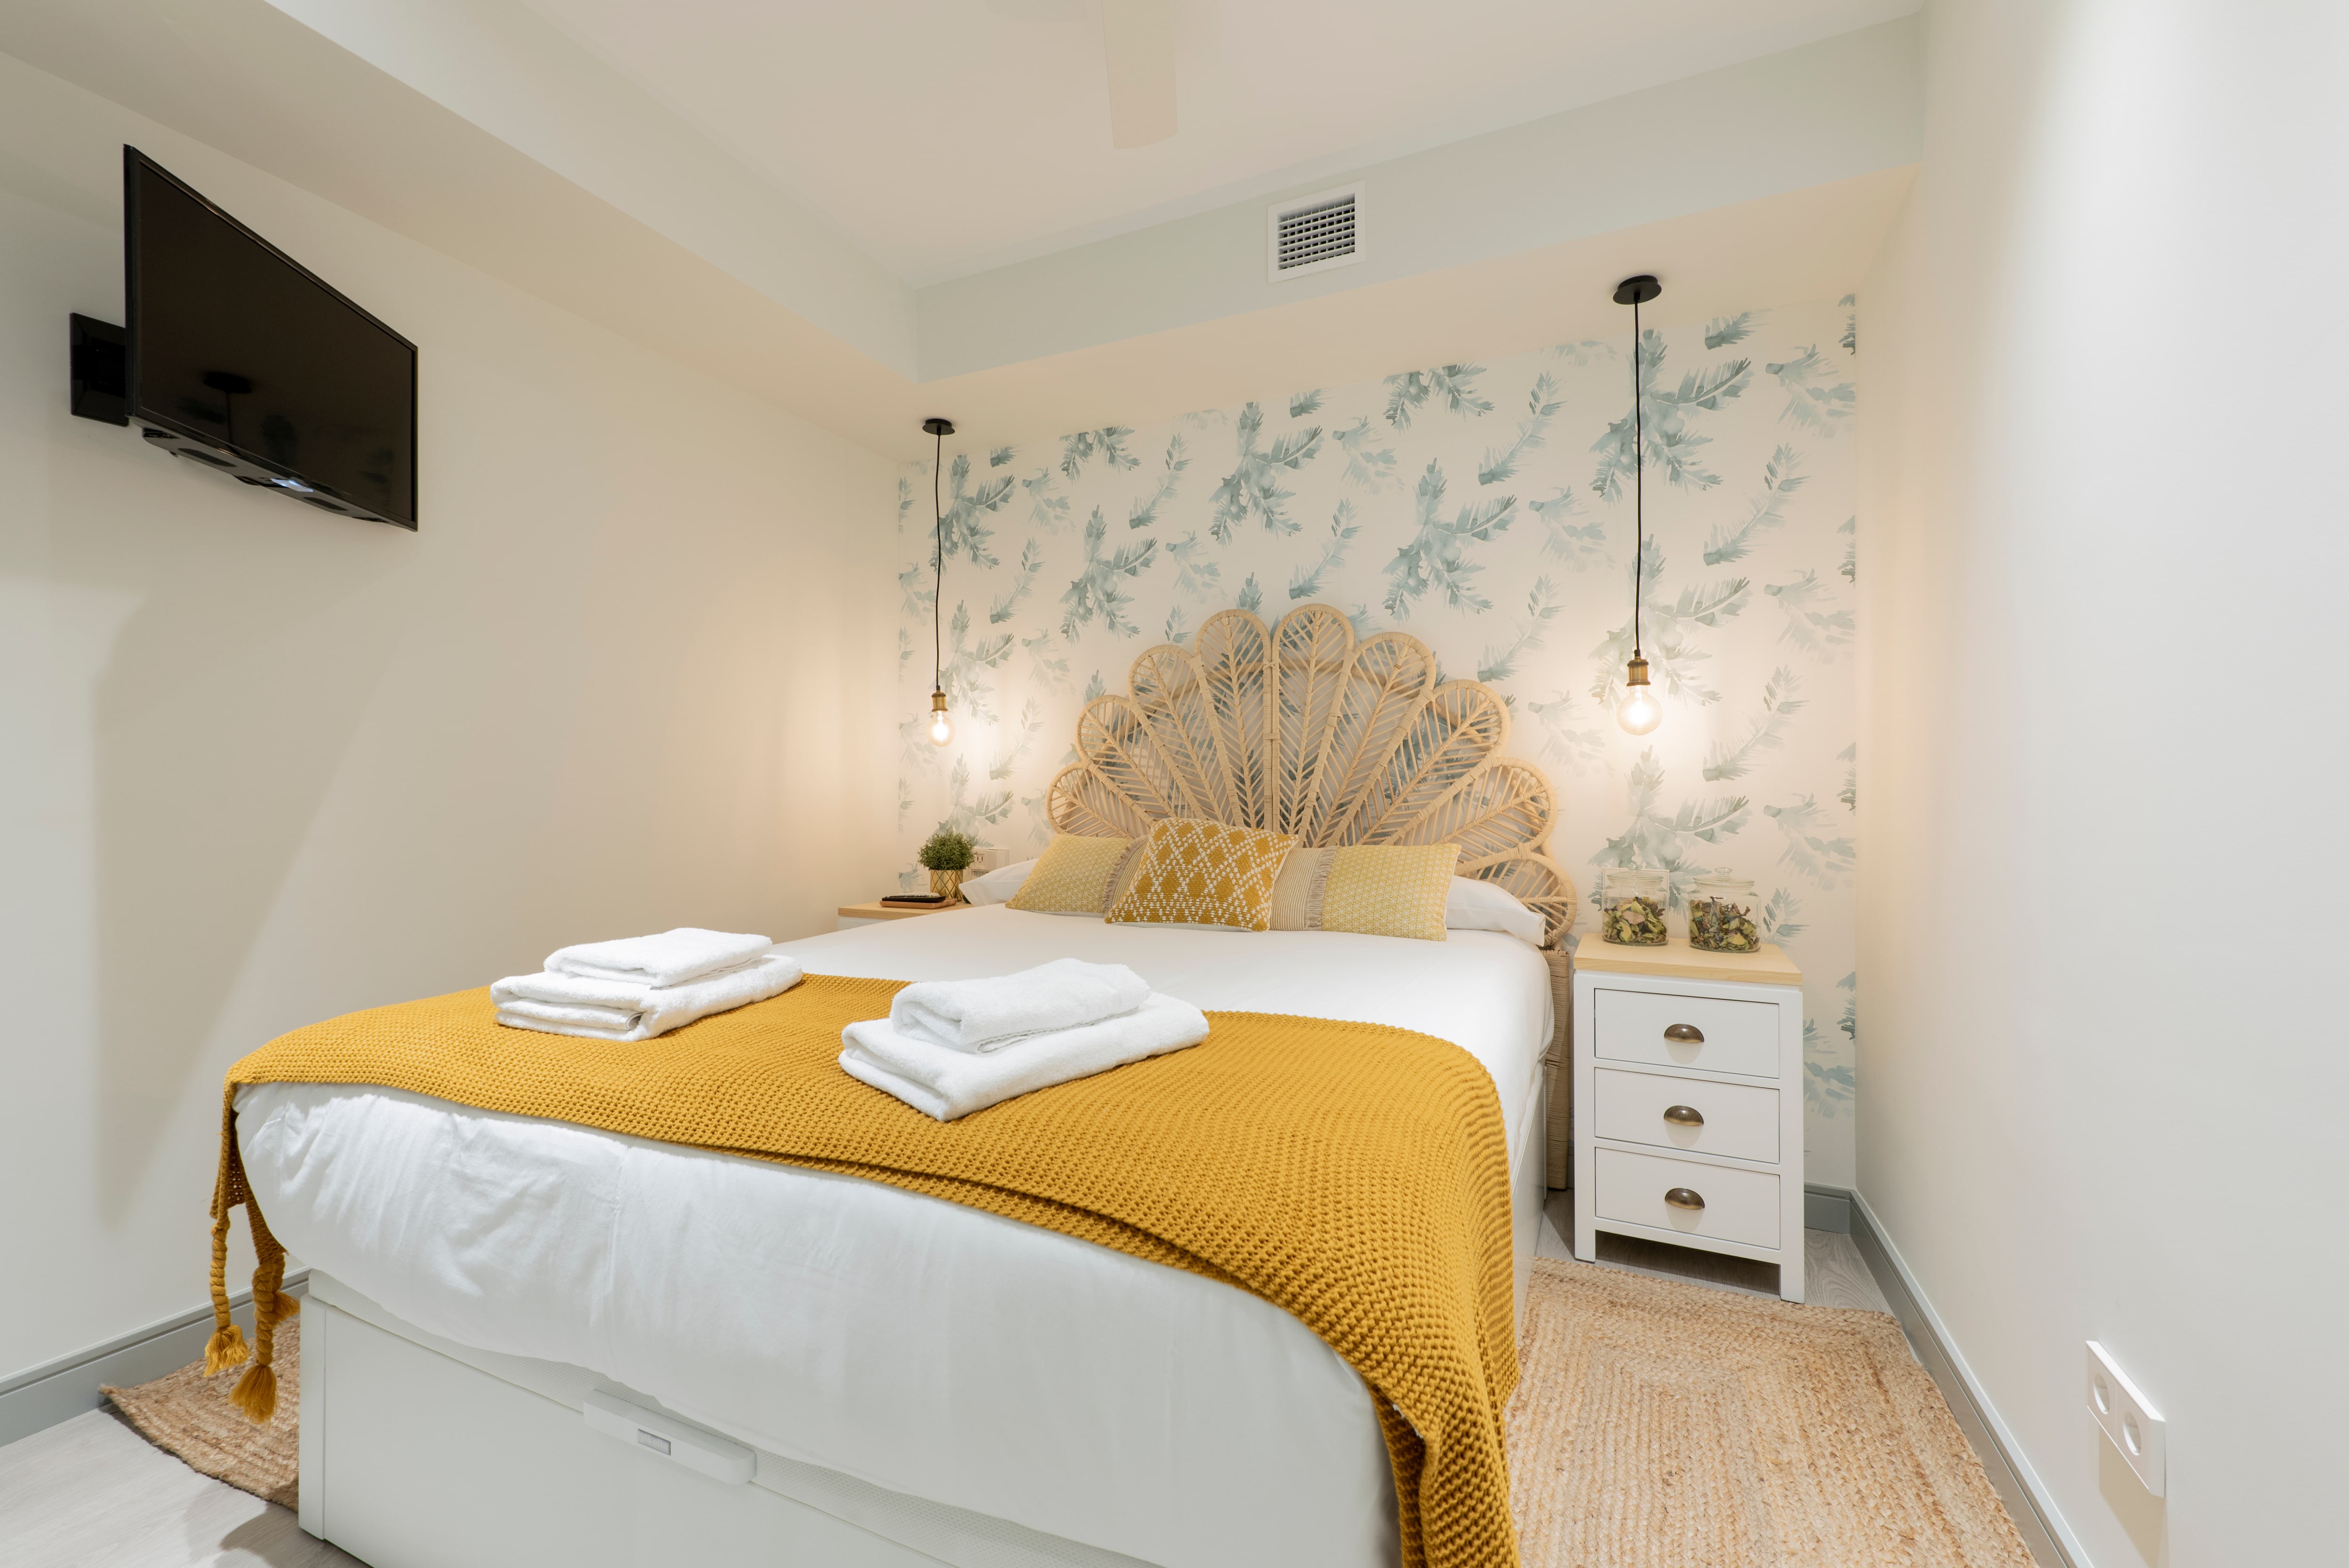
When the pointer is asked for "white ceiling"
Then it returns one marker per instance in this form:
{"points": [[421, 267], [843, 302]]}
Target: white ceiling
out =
{"points": [[947, 137], [476, 128]]}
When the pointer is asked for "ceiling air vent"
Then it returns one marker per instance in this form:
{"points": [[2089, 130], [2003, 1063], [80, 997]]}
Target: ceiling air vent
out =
{"points": [[1313, 233]]}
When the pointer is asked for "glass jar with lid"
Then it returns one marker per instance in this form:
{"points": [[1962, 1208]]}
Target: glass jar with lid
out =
{"points": [[1722, 914], [1632, 906]]}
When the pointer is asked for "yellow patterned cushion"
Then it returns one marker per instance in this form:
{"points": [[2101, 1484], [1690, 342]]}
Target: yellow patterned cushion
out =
{"points": [[1386, 889], [1072, 876], [1196, 872]]}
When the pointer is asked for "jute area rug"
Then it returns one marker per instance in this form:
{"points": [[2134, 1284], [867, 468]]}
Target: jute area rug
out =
{"points": [[188, 1414], [1661, 1425]]}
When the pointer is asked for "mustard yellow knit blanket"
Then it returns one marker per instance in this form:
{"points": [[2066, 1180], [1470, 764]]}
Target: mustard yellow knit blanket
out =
{"points": [[1351, 1174]]}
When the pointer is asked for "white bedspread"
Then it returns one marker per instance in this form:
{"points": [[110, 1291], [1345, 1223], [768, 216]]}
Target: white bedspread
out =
{"points": [[913, 1343]]}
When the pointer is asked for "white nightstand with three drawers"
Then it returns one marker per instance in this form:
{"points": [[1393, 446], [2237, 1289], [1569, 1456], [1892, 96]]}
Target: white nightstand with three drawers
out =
{"points": [[1687, 1101]]}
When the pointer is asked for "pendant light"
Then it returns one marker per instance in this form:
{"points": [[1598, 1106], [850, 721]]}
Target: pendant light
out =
{"points": [[941, 726], [1639, 711]]}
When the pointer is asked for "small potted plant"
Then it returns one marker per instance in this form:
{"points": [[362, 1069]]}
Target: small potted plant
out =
{"points": [[947, 856]]}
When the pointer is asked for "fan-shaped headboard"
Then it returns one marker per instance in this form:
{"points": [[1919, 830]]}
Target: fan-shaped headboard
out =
{"points": [[1301, 729]]}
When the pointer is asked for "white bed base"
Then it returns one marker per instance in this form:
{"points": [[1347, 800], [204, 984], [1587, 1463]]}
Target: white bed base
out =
{"points": [[418, 1452]]}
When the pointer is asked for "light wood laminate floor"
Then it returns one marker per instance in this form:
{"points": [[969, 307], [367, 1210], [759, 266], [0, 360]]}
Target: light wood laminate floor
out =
{"points": [[92, 1494]]}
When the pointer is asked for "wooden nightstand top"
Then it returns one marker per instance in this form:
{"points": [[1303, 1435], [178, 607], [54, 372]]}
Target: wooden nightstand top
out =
{"points": [[876, 910], [1676, 960]]}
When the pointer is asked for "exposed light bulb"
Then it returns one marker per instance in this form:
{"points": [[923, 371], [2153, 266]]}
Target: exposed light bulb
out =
{"points": [[1640, 712], [941, 726]]}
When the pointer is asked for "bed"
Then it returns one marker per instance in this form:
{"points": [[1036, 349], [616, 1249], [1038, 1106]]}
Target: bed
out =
{"points": [[918, 1380]]}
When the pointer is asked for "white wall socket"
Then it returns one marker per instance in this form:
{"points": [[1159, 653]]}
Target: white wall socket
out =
{"points": [[2128, 1419]]}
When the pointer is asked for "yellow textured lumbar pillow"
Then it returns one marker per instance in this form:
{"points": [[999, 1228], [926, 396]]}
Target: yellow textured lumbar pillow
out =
{"points": [[1198, 873], [1072, 876], [1375, 889], [1297, 891]]}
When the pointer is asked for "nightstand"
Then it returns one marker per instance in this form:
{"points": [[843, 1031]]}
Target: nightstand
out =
{"points": [[1687, 1101], [866, 913]]}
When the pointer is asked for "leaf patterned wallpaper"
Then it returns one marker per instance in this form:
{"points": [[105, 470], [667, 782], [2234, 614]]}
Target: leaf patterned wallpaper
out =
{"points": [[1487, 510]]}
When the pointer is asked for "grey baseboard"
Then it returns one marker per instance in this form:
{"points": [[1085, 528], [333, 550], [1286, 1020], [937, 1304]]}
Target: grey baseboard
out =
{"points": [[64, 1389], [2052, 1543], [1826, 1208]]}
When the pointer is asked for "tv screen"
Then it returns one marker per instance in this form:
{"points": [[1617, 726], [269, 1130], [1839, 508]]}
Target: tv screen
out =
{"points": [[241, 359]]}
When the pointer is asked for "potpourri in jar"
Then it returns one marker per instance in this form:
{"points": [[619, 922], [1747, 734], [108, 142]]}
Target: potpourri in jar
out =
{"points": [[1632, 906]]}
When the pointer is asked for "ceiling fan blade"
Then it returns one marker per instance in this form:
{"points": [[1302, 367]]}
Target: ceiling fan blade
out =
{"points": [[1138, 36]]}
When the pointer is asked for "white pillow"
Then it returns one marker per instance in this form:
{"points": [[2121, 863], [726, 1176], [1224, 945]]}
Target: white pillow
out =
{"points": [[997, 885], [1474, 906]]}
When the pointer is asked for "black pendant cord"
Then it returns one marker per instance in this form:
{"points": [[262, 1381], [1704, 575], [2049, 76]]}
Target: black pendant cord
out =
{"points": [[1639, 483], [938, 562]]}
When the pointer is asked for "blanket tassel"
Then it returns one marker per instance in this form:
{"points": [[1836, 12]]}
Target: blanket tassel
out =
{"points": [[226, 1347], [256, 1395], [256, 1392]]}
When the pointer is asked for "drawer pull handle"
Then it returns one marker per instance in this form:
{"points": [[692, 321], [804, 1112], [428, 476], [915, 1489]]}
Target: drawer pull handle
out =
{"points": [[1685, 1034], [1684, 1197], [1683, 1116]]}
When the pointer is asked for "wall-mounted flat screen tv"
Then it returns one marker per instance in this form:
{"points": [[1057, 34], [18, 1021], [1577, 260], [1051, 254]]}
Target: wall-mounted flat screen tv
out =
{"points": [[239, 359]]}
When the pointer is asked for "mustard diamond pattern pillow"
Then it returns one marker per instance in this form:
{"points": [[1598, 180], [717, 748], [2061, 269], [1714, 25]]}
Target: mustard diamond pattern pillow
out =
{"points": [[1387, 889], [1196, 872], [1072, 876]]}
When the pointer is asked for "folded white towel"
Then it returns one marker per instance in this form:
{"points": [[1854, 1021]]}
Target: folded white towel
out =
{"points": [[599, 1010], [578, 991], [946, 1084], [672, 958], [524, 1012], [985, 1014]]}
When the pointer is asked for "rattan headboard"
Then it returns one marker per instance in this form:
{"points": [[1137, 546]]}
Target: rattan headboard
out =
{"points": [[1301, 729]]}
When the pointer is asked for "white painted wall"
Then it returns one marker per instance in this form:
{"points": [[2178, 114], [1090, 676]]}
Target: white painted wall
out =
{"points": [[262, 765], [2101, 547]]}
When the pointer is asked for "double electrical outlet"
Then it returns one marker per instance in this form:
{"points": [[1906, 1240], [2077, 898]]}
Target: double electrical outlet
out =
{"points": [[2128, 1419]]}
